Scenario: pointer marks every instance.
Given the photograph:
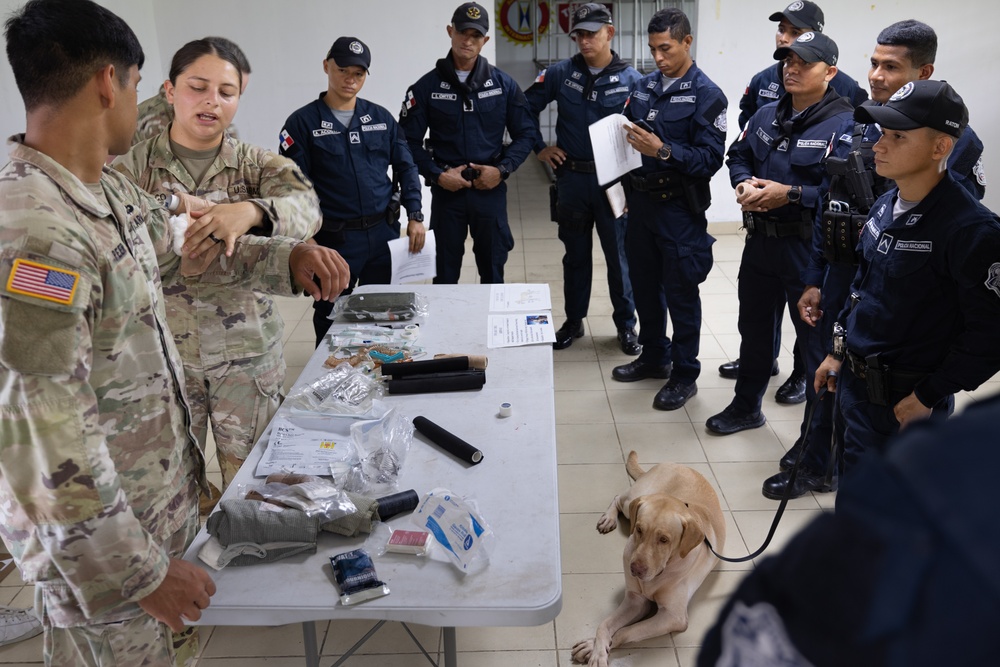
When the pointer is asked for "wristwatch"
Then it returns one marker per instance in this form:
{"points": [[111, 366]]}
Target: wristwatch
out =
{"points": [[504, 172], [794, 194], [418, 216], [663, 153]]}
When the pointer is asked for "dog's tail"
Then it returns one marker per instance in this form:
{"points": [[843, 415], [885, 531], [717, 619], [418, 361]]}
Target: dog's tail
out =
{"points": [[632, 465]]}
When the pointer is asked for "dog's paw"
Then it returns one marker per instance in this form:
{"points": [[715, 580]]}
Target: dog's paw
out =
{"points": [[606, 524], [582, 651]]}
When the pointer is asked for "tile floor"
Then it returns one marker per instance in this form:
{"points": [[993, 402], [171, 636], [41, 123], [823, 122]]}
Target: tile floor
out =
{"points": [[598, 422]]}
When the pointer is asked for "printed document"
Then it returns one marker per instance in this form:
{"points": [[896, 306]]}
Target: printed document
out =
{"points": [[613, 155], [410, 267], [521, 329], [519, 298]]}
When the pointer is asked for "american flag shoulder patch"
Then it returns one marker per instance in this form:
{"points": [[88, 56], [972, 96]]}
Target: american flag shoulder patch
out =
{"points": [[43, 281]]}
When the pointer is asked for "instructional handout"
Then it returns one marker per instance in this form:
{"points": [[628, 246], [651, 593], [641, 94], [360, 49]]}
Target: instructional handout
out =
{"points": [[520, 298], [520, 329], [408, 267], [306, 445], [613, 155]]}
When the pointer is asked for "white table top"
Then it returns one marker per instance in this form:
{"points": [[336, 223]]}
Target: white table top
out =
{"points": [[514, 486]]}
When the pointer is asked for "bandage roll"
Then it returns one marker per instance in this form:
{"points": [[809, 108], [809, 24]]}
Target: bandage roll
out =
{"points": [[505, 410], [741, 190], [397, 503], [447, 441], [451, 364]]}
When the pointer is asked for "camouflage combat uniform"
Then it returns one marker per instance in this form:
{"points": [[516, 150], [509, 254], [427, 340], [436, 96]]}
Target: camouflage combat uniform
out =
{"points": [[98, 467], [155, 114], [230, 340]]}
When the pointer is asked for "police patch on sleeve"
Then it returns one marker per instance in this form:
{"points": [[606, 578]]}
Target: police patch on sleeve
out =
{"points": [[757, 636], [980, 172], [721, 123], [993, 278]]}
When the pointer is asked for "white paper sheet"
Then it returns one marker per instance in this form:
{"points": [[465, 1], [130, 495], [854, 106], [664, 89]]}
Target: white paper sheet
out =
{"points": [[306, 445], [613, 155], [408, 267], [616, 197], [520, 298], [521, 329]]}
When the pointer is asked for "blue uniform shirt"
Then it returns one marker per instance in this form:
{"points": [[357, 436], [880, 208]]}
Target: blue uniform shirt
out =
{"points": [[690, 116], [778, 148], [467, 120], [929, 288], [583, 99], [766, 87], [965, 164], [349, 165]]}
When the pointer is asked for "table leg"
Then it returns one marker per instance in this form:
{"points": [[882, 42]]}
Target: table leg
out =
{"points": [[450, 652], [309, 639]]}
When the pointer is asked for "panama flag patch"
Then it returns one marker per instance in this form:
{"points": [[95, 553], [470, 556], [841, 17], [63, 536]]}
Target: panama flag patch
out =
{"points": [[286, 140]]}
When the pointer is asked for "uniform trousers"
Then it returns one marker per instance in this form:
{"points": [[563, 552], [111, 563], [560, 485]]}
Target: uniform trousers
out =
{"points": [[136, 642], [238, 398], [768, 280], [665, 276], [366, 252], [582, 206], [481, 213], [869, 426]]}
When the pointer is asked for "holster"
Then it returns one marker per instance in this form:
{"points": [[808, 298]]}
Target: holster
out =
{"points": [[698, 193], [841, 235]]}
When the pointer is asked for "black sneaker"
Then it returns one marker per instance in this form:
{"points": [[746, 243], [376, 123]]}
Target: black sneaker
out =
{"points": [[732, 420], [674, 395]]}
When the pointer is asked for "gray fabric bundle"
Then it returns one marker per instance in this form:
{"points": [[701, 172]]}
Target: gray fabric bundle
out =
{"points": [[252, 535]]}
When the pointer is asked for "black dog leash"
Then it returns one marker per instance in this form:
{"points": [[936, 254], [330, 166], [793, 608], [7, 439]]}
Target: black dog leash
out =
{"points": [[788, 489]]}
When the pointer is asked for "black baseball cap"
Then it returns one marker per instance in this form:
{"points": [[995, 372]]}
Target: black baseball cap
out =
{"points": [[590, 17], [933, 104], [348, 51], [811, 47], [802, 14], [471, 15]]}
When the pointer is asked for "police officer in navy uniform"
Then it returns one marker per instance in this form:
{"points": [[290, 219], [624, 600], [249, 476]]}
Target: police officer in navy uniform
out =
{"points": [[765, 87], [908, 559], [668, 245], [589, 86], [904, 52], [922, 319], [777, 167], [346, 145], [466, 104]]}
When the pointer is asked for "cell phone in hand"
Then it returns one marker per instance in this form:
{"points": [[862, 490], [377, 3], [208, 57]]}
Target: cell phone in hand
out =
{"points": [[644, 125]]}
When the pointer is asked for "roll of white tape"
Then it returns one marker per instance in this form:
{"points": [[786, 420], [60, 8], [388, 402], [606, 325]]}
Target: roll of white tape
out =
{"points": [[410, 332], [505, 409]]}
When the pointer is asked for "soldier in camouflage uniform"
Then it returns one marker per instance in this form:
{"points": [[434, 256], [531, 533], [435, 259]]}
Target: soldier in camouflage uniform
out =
{"points": [[230, 340], [156, 113], [98, 466]]}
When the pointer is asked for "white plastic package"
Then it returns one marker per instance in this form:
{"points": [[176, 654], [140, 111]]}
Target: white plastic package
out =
{"points": [[456, 524], [382, 445], [345, 390]]}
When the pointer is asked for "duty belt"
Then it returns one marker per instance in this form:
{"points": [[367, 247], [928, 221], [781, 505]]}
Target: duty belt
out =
{"points": [[881, 381], [775, 227], [579, 166], [354, 224], [662, 185]]}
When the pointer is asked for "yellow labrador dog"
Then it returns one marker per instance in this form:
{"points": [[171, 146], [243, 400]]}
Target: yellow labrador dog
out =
{"points": [[671, 509]]}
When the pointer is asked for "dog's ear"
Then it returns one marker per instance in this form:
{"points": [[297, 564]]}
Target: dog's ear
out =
{"points": [[633, 512], [692, 536]]}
